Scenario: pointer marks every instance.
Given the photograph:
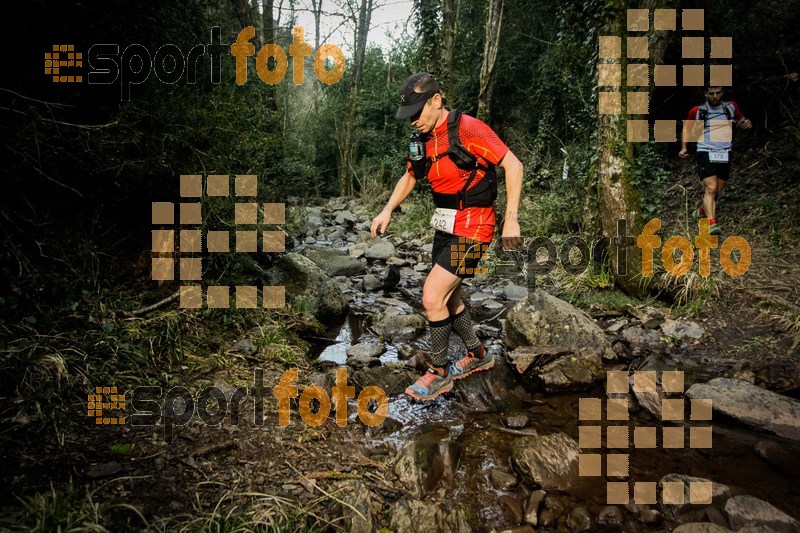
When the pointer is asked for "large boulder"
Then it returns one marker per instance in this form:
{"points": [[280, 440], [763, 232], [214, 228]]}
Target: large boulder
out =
{"points": [[752, 406], [542, 319], [358, 513], [392, 378], [557, 368], [495, 390], [743, 511], [380, 249], [411, 516], [308, 287], [548, 461], [334, 261], [427, 461], [399, 327]]}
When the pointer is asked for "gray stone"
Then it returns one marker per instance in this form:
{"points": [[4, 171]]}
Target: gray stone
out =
{"points": [[426, 248], [516, 421], [515, 292], [428, 461], [497, 390], [492, 305], [245, 346], [363, 361], [650, 317], [332, 261], [611, 517], [580, 521], [548, 461], [358, 513], [753, 406], [779, 373], [743, 511], [366, 349], [542, 319], [345, 217], [372, 283], [407, 515], [532, 511], [478, 298], [357, 250], [421, 267], [382, 249], [392, 378], [399, 327], [308, 287], [678, 329], [397, 261], [781, 455], [503, 480], [313, 224], [547, 519]]}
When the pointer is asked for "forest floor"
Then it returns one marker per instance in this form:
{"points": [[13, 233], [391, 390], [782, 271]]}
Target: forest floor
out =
{"points": [[230, 478]]}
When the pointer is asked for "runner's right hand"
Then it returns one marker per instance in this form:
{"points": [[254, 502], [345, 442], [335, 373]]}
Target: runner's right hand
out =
{"points": [[381, 222], [684, 153]]}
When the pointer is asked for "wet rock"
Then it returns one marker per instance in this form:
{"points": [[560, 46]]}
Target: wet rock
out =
{"points": [[580, 521], [358, 513], [719, 493], [542, 319], [366, 349], [382, 249], [516, 421], [532, 510], [513, 508], [700, 527], [308, 286], [611, 517], [548, 461], [363, 361], [321, 379], [478, 298], [494, 390], [651, 401], [557, 368], [502, 480], [397, 261], [715, 516], [547, 519], [421, 267], [553, 503], [638, 336], [396, 327], [515, 292], [617, 325], [485, 331], [753, 406], [357, 250], [781, 373], [407, 515], [678, 329], [392, 378], [428, 460], [372, 283], [644, 513], [333, 261], [492, 305], [780, 455], [336, 236], [743, 511], [312, 225]]}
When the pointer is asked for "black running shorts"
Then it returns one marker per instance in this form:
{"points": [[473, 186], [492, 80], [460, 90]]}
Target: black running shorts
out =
{"points": [[707, 168], [458, 255]]}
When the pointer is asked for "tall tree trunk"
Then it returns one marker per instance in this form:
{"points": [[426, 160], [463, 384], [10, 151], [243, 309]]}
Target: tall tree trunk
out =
{"points": [[316, 7], [428, 31], [241, 9], [450, 12], [491, 45], [348, 139], [268, 25], [617, 199]]}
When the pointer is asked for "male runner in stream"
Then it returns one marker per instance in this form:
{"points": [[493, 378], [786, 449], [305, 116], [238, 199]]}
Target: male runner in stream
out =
{"points": [[466, 219]]}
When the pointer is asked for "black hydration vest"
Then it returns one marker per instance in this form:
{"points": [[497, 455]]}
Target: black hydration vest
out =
{"points": [[485, 193]]}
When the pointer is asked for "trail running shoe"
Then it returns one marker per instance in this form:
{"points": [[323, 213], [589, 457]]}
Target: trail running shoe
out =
{"points": [[430, 385], [469, 364], [715, 229]]}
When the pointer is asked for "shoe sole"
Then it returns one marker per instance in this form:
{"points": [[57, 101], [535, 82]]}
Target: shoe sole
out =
{"points": [[476, 369], [429, 398]]}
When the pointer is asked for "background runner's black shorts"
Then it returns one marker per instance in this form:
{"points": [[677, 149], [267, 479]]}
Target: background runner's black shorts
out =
{"points": [[707, 168], [458, 255]]}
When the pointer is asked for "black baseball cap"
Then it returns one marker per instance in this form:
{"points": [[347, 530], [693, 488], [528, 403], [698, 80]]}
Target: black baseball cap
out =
{"points": [[412, 101]]}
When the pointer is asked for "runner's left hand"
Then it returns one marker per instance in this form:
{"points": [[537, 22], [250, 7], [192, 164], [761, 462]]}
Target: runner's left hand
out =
{"points": [[511, 235]]}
